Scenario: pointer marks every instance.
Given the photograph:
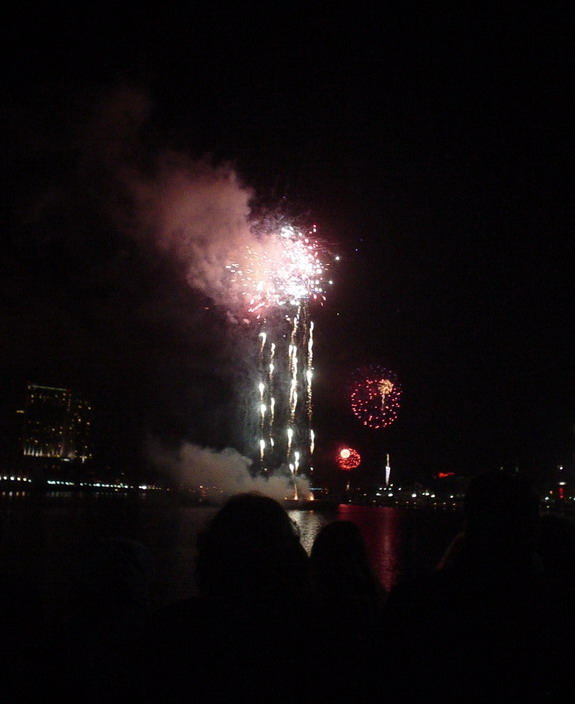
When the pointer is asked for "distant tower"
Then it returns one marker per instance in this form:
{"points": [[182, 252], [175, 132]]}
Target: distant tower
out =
{"points": [[57, 424], [387, 469]]}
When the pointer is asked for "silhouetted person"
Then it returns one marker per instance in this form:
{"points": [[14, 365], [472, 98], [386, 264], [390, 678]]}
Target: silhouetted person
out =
{"points": [[246, 635], [478, 629], [349, 599], [92, 655], [348, 592], [556, 550]]}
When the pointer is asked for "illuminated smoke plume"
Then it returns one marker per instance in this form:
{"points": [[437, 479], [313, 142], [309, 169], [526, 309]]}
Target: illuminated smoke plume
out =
{"points": [[220, 473], [197, 213], [263, 275], [202, 215], [169, 278]]}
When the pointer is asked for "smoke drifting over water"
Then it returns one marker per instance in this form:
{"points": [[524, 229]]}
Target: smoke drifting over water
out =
{"points": [[226, 471]]}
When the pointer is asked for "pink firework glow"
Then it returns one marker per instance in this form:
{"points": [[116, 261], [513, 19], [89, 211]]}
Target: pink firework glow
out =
{"points": [[282, 266], [375, 396]]}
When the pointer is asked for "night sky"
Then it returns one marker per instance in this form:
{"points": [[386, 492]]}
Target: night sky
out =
{"points": [[432, 147]]}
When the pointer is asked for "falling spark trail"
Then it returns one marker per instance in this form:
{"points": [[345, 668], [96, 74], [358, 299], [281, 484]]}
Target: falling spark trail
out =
{"points": [[290, 439], [295, 492], [277, 277]]}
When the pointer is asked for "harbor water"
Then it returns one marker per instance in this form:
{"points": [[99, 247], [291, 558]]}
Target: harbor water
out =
{"points": [[41, 537]]}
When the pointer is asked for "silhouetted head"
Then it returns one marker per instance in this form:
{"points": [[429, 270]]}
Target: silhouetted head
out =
{"points": [[250, 548], [340, 545], [348, 592], [340, 562], [556, 545], [501, 513]]}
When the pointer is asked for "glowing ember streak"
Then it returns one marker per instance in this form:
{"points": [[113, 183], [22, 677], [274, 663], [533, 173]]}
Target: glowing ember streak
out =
{"points": [[309, 371], [293, 364], [292, 470], [293, 402], [290, 439], [310, 344]]}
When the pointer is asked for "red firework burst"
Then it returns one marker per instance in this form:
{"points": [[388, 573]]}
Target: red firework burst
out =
{"points": [[348, 459], [375, 396]]}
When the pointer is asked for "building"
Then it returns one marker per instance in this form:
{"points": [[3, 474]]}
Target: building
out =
{"points": [[57, 424]]}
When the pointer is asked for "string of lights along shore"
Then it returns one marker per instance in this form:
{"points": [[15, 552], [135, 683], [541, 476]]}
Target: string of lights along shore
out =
{"points": [[281, 282]]}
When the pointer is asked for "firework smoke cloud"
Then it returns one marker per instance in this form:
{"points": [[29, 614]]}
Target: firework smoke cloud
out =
{"points": [[171, 276], [220, 473], [201, 214]]}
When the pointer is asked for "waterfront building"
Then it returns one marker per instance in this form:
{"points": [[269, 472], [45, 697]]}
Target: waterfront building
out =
{"points": [[57, 424]]}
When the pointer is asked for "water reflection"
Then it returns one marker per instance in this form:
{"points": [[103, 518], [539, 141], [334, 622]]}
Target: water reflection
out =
{"points": [[309, 523], [380, 528], [40, 536], [400, 542]]}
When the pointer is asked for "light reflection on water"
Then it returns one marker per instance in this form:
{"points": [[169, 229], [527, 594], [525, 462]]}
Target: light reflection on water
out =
{"points": [[40, 538], [400, 542], [309, 523]]}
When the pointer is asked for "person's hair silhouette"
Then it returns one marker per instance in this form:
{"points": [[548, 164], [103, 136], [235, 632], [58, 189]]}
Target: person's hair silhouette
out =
{"points": [[251, 549]]}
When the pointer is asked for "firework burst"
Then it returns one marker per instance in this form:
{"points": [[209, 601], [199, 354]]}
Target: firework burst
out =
{"points": [[276, 279], [375, 396], [283, 266], [348, 459]]}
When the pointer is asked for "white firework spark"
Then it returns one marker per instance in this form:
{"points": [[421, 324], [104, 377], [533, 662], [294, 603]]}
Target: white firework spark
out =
{"points": [[284, 266]]}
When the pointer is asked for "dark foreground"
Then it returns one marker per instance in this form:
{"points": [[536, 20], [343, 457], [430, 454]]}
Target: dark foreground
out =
{"points": [[491, 621]]}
